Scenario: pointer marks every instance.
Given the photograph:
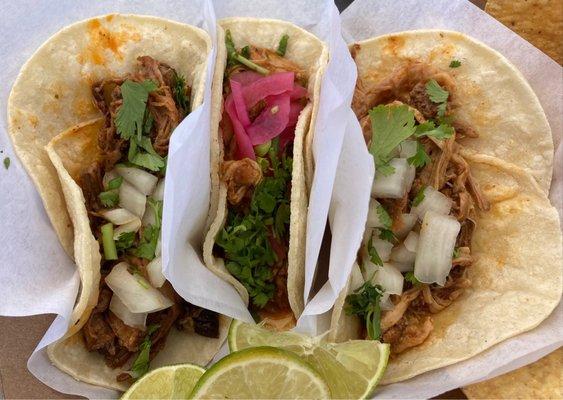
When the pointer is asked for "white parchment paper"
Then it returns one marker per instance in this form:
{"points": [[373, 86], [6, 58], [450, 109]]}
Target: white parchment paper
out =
{"points": [[36, 275], [365, 19]]}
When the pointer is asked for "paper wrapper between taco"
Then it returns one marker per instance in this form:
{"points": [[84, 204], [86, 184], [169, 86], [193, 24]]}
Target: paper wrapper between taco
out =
{"points": [[312, 55], [516, 279], [52, 93]]}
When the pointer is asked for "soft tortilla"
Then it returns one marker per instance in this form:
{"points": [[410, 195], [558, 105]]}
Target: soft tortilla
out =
{"points": [[493, 95], [52, 90], [46, 100], [516, 280], [312, 54]]}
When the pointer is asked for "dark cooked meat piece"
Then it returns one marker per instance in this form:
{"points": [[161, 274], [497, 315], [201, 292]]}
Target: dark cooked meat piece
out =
{"points": [[418, 98], [198, 320], [91, 183], [165, 320], [118, 358], [104, 299], [97, 333], [128, 337]]}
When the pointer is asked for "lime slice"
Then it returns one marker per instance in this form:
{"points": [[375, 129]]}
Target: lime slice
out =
{"points": [[261, 373], [172, 382], [352, 369]]}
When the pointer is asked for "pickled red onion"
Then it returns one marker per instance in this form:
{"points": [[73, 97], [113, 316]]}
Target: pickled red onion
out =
{"points": [[272, 121], [238, 100], [270, 85], [244, 144]]}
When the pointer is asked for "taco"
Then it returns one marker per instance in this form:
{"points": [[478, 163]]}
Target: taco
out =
{"points": [[462, 248], [266, 95], [128, 82]]}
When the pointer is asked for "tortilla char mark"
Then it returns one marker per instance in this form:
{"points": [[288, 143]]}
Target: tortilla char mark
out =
{"points": [[102, 40]]}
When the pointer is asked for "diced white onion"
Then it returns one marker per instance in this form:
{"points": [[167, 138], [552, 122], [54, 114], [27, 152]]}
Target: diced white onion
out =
{"points": [[108, 177], [131, 199], [402, 255], [158, 193], [393, 186], [135, 320], [433, 201], [368, 270], [436, 244], [118, 216], [389, 278], [154, 271], [406, 224], [135, 291], [404, 267], [385, 302], [132, 226], [143, 181], [383, 247], [149, 217], [373, 217], [411, 241]]}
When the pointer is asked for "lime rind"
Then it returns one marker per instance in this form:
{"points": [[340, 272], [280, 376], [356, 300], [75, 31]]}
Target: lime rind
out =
{"points": [[261, 354]]}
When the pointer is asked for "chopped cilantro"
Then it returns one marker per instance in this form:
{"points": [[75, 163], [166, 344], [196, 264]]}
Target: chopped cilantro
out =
{"points": [[179, 92], [141, 364], [110, 197], [130, 116], [419, 197], [455, 64], [125, 241], [409, 277], [390, 125], [364, 303], [428, 128], [456, 253], [142, 154], [246, 239], [148, 243], [420, 159], [245, 51], [373, 254], [437, 95], [388, 235], [282, 46], [384, 216], [6, 162]]}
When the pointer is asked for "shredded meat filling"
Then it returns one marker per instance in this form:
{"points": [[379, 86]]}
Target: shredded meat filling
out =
{"points": [[409, 323], [240, 177]]}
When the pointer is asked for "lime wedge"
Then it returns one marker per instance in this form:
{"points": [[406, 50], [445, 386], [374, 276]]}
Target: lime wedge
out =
{"points": [[261, 373], [352, 369], [171, 382]]}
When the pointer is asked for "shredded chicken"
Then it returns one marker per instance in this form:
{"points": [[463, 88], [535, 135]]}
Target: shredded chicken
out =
{"points": [[240, 176], [273, 62], [409, 323]]}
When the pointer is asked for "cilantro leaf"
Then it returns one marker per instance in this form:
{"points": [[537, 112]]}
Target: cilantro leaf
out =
{"points": [[6, 162], [455, 64], [141, 364], [388, 235], [390, 125], [420, 159], [125, 240], [149, 240], [142, 154], [179, 92], [365, 303], [409, 277], [428, 128], [110, 197], [384, 216], [129, 119], [385, 169], [456, 253], [435, 92], [418, 198], [373, 254]]}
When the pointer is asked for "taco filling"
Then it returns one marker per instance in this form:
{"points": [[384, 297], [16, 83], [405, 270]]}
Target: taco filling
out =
{"points": [[123, 190], [263, 94], [417, 243]]}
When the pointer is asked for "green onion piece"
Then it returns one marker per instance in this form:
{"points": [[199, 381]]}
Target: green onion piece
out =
{"points": [[246, 62], [282, 47], [110, 252], [262, 149]]}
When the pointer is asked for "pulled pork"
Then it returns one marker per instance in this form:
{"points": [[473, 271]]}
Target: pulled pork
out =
{"points": [[240, 177], [409, 323]]}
